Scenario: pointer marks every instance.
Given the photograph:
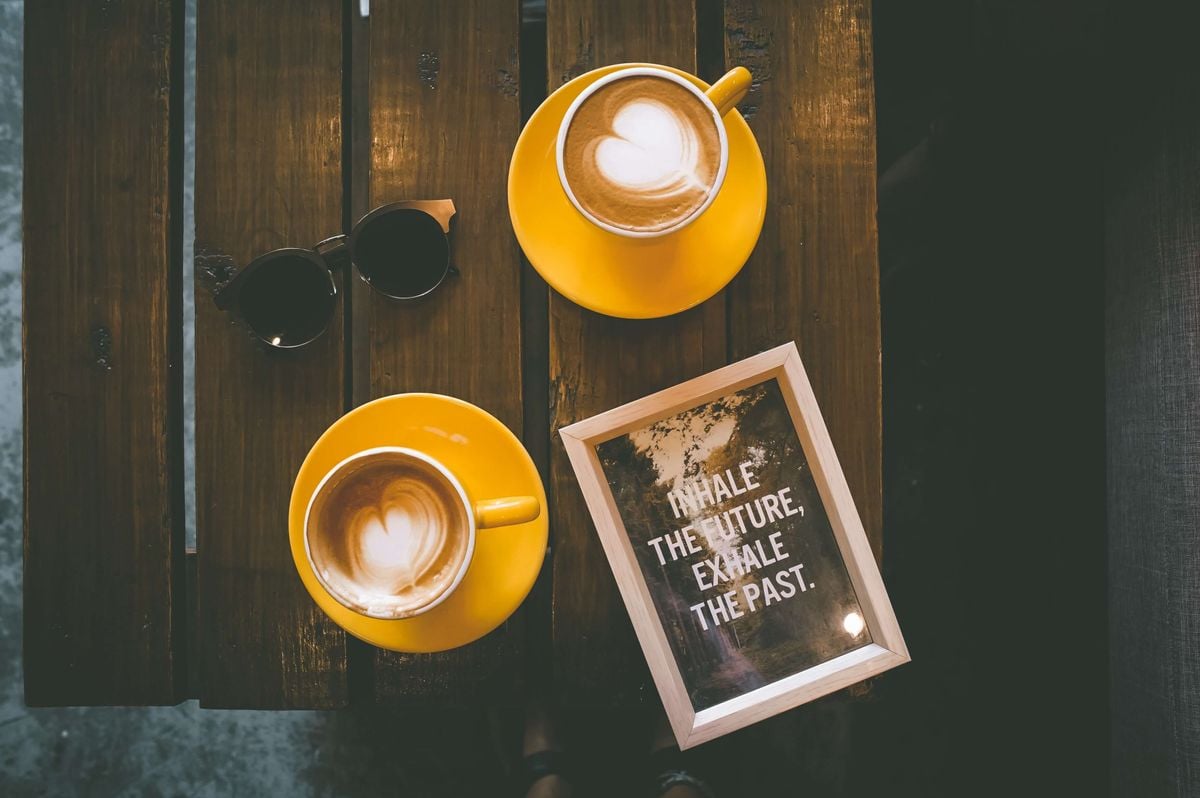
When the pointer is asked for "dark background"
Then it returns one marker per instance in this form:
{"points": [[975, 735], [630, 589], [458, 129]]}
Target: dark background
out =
{"points": [[991, 144]]}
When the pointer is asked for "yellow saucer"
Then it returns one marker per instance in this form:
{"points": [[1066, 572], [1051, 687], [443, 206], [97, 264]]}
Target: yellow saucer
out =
{"points": [[629, 277], [490, 463]]}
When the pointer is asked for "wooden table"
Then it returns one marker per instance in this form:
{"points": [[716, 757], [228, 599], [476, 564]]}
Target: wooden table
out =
{"points": [[306, 116]]}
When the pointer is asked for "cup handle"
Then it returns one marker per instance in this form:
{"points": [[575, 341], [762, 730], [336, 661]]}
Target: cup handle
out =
{"points": [[507, 511], [727, 92]]}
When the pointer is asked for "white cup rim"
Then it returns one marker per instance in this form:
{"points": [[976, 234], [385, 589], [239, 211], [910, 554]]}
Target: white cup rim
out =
{"points": [[467, 506], [621, 74]]}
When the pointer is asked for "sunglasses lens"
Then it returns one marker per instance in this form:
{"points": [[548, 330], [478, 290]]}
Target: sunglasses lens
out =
{"points": [[402, 253], [288, 300]]}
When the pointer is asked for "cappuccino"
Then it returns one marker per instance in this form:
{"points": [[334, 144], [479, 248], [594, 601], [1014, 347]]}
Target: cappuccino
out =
{"points": [[388, 534], [642, 153]]}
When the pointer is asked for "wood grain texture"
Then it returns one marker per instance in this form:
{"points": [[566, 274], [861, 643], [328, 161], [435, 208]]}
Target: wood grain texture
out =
{"points": [[445, 116], [1151, 246], [268, 174], [103, 579], [598, 362], [814, 277]]}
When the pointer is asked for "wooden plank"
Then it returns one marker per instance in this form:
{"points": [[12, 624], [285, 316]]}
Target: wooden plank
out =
{"points": [[1150, 246], [268, 174], [814, 277], [597, 363], [444, 118], [103, 621]]}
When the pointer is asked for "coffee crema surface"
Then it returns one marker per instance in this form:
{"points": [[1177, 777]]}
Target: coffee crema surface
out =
{"points": [[388, 534], [642, 153]]}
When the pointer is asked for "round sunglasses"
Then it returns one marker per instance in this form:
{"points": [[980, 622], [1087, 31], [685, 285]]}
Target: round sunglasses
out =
{"points": [[287, 296]]}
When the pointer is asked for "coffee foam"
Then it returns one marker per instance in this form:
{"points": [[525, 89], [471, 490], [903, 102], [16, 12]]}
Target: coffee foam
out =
{"points": [[388, 535], [642, 153]]}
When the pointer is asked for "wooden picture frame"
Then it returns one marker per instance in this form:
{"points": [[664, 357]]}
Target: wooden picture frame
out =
{"points": [[886, 649]]}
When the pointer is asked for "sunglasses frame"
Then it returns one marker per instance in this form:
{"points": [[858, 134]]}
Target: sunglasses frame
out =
{"points": [[336, 252]]}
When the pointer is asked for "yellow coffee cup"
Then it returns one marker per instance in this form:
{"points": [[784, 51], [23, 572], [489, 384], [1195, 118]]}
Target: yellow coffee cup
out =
{"points": [[390, 531], [639, 157]]}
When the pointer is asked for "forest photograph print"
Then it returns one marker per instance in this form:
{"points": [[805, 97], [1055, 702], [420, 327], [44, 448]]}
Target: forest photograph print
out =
{"points": [[733, 543]]}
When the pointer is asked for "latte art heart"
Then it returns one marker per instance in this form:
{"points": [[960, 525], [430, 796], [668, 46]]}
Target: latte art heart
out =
{"points": [[388, 535], [642, 153], [393, 545], [653, 152]]}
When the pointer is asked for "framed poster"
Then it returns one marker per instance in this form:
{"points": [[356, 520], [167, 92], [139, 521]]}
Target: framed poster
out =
{"points": [[735, 544]]}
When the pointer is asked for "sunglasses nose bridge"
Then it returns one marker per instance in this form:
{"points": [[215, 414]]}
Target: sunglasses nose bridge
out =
{"points": [[335, 251]]}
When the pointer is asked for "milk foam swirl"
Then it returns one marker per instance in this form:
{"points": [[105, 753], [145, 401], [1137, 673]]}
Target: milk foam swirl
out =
{"points": [[653, 153], [388, 535], [642, 153], [393, 544]]}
